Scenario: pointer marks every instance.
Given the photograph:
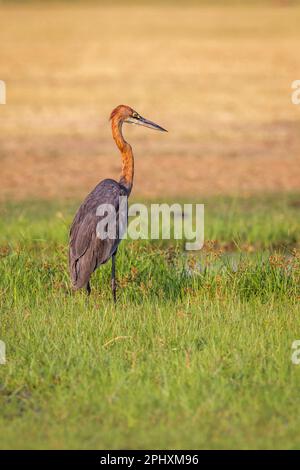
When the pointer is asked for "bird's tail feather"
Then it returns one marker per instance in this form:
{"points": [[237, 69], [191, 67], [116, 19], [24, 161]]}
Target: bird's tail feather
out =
{"points": [[80, 271]]}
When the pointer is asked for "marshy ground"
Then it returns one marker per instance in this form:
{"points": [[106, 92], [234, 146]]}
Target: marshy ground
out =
{"points": [[197, 352]]}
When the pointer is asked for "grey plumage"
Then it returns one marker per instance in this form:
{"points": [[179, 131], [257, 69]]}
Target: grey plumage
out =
{"points": [[86, 250], [89, 249]]}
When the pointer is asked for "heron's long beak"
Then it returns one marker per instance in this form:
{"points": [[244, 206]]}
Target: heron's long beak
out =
{"points": [[140, 121]]}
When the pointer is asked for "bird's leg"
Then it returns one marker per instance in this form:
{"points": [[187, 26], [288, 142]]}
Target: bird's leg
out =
{"points": [[88, 288], [113, 276]]}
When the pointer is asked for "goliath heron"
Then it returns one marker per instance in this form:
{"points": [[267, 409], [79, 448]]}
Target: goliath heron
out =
{"points": [[86, 250]]}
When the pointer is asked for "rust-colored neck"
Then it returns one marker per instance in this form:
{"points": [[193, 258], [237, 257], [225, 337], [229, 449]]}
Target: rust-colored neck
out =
{"points": [[126, 178]]}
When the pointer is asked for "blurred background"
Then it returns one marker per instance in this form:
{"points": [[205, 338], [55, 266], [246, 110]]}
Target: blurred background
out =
{"points": [[216, 74], [198, 337]]}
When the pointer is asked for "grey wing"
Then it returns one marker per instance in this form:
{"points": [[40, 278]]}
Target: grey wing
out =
{"points": [[87, 250]]}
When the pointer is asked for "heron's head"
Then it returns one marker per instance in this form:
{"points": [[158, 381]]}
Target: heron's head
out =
{"points": [[123, 113]]}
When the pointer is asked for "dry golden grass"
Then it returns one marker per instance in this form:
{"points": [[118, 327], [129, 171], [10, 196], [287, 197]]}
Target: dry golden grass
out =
{"points": [[218, 78]]}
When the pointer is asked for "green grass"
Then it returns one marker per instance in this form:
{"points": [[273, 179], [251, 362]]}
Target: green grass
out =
{"points": [[197, 353]]}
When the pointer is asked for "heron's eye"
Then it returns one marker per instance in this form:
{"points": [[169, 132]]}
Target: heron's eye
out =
{"points": [[135, 115]]}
